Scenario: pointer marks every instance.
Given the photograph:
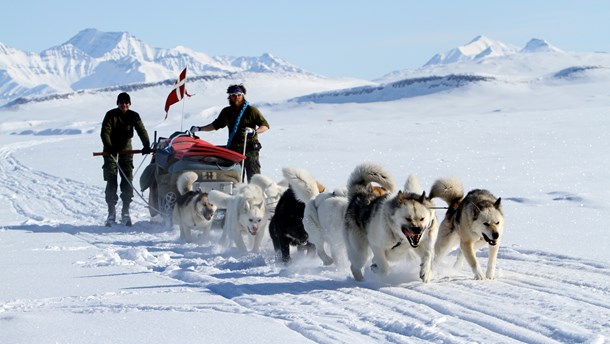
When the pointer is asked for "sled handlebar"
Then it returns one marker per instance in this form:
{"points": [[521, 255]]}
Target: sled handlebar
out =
{"points": [[120, 153]]}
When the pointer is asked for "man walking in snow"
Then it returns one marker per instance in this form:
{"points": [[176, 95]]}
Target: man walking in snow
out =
{"points": [[244, 122], [116, 134]]}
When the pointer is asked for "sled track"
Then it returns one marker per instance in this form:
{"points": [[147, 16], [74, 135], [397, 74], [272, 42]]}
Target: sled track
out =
{"points": [[537, 297]]}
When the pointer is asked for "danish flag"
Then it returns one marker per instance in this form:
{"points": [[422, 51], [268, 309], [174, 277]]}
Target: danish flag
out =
{"points": [[177, 93]]}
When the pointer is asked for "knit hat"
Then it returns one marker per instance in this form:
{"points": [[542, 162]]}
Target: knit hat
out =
{"points": [[122, 98]]}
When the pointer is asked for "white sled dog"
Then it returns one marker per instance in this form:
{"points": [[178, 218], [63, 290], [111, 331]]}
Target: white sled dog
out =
{"points": [[323, 221], [272, 192], [471, 221], [193, 209], [245, 214], [390, 226]]}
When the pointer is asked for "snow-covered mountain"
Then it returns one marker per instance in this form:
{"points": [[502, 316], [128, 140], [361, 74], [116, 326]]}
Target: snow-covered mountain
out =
{"points": [[480, 47], [95, 59]]}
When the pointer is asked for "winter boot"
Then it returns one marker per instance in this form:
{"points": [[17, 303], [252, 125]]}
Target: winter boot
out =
{"points": [[111, 219], [125, 218]]}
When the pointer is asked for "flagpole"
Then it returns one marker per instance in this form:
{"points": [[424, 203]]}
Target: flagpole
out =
{"points": [[182, 119], [183, 101]]}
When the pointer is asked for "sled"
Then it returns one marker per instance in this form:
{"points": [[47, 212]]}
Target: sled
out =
{"points": [[217, 168]]}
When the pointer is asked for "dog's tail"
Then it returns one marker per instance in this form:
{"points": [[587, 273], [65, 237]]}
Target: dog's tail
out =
{"points": [[303, 184], [262, 181], [185, 182], [365, 174], [412, 185], [219, 198], [449, 189]]}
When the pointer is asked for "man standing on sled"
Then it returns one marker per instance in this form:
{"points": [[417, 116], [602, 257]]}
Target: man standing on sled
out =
{"points": [[116, 133], [242, 120]]}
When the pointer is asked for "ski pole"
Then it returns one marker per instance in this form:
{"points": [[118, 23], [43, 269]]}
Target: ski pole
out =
{"points": [[243, 162]]}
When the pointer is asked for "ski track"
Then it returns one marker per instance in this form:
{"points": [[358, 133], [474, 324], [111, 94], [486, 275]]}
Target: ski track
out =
{"points": [[553, 298]]}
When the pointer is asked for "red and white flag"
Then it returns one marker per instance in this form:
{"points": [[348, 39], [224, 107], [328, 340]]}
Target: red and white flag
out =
{"points": [[177, 93]]}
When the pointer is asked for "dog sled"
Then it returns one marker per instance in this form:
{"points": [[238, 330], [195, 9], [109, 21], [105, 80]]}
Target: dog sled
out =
{"points": [[217, 168]]}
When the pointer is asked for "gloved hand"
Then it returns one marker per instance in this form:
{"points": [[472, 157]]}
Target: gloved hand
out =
{"points": [[194, 129], [250, 132], [146, 150]]}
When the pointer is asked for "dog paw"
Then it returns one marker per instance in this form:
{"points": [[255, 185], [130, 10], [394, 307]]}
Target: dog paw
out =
{"points": [[479, 276], [425, 276], [491, 275], [357, 275], [375, 268]]}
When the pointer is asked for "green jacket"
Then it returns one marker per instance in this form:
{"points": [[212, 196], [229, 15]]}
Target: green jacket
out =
{"points": [[117, 130], [252, 118]]}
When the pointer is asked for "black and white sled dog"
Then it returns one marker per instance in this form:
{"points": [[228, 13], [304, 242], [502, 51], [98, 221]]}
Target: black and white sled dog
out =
{"points": [[472, 221], [245, 215], [324, 221], [193, 209], [286, 227], [389, 226]]}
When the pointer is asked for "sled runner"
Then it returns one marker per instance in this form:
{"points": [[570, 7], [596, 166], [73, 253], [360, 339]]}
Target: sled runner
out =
{"points": [[217, 168]]}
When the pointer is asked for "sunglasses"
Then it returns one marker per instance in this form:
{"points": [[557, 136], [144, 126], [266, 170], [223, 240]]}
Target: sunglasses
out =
{"points": [[236, 95]]}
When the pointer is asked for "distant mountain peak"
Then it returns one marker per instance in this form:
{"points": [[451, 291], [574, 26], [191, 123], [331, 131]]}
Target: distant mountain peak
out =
{"points": [[97, 43], [478, 48], [536, 45]]}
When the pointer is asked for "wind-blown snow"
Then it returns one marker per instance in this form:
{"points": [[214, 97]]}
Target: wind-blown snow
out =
{"points": [[540, 145]]}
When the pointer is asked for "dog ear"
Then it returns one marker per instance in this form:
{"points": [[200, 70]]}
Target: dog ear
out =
{"points": [[497, 204], [422, 198], [398, 200], [246, 205], [476, 210]]}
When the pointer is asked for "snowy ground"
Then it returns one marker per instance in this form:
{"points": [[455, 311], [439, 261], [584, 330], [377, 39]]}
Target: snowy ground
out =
{"points": [[541, 147]]}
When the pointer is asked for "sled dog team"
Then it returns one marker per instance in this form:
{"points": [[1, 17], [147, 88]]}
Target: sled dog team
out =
{"points": [[367, 218]]}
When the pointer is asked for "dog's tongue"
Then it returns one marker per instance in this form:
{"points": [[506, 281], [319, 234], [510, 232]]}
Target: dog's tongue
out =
{"points": [[253, 230], [489, 241]]}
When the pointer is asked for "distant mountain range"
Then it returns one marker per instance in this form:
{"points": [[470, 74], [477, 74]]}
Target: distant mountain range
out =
{"points": [[95, 59], [100, 60]]}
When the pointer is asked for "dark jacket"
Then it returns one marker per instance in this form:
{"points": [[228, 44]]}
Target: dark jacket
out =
{"points": [[117, 130], [252, 118]]}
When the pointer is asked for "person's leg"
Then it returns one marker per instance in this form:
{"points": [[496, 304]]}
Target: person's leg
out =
{"points": [[126, 165], [252, 164], [110, 176]]}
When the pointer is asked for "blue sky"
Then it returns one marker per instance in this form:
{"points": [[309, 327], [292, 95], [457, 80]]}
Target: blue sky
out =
{"points": [[358, 38]]}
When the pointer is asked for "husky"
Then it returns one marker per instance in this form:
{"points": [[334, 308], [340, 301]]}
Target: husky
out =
{"points": [[324, 221], [389, 226], [471, 221], [286, 226], [193, 209], [272, 192], [245, 214]]}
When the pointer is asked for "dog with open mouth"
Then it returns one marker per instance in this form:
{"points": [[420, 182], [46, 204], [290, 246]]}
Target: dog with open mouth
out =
{"points": [[472, 222], [245, 215], [389, 226]]}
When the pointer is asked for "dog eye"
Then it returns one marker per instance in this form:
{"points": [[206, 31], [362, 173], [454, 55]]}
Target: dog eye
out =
{"points": [[422, 219], [409, 219], [497, 222], [486, 224]]}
